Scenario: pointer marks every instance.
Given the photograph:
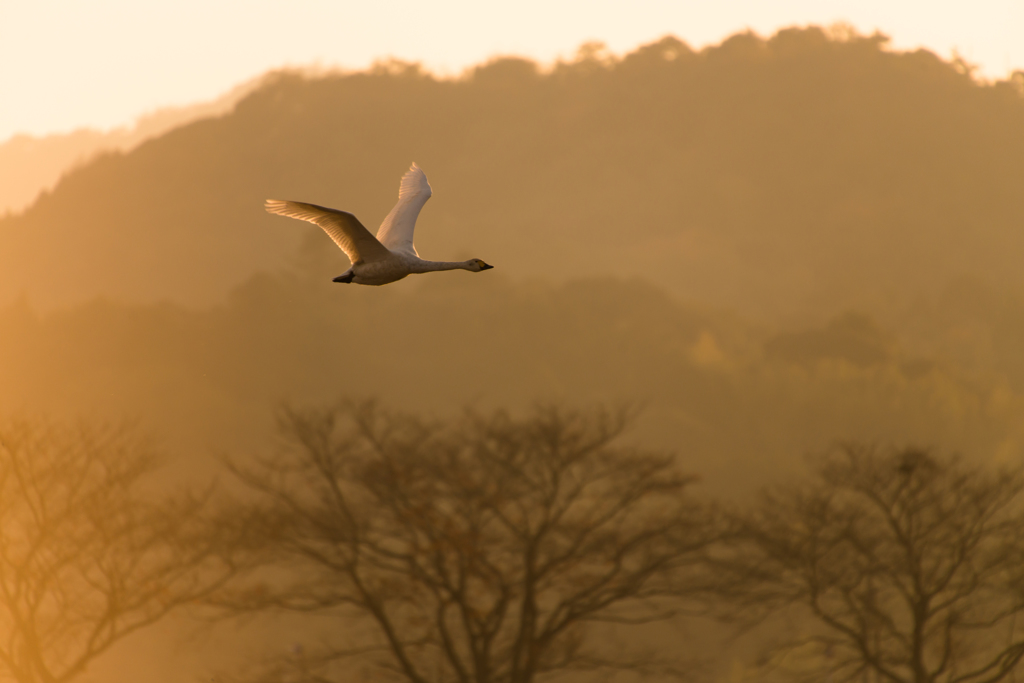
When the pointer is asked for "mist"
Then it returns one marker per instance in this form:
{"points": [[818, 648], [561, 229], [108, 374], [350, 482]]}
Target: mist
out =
{"points": [[765, 254]]}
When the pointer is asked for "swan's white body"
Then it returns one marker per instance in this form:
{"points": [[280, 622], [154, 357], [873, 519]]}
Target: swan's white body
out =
{"points": [[390, 255]]}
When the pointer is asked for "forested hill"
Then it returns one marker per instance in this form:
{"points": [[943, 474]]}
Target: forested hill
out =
{"points": [[739, 404], [802, 172]]}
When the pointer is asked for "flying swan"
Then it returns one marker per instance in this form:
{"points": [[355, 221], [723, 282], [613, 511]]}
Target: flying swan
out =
{"points": [[390, 255]]}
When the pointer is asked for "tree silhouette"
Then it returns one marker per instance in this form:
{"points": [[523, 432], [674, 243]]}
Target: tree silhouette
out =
{"points": [[908, 564], [88, 554], [479, 549]]}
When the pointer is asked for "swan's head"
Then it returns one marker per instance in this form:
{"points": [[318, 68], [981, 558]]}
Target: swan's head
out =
{"points": [[476, 265]]}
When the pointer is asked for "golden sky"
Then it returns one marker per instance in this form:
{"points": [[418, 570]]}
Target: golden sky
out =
{"points": [[70, 63]]}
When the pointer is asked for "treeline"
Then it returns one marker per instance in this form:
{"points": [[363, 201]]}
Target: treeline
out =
{"points": [[502, 548], [809, 171], [746, 397]]}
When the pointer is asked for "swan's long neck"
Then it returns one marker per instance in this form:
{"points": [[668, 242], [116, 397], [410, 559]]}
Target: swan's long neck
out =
{"points": [[430, 266]]}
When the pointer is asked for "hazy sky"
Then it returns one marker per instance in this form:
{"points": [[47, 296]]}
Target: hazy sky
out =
{"points": [[72, 63]]}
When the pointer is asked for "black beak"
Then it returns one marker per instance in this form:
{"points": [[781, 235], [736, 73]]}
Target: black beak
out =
{"points": [[485, 267]]}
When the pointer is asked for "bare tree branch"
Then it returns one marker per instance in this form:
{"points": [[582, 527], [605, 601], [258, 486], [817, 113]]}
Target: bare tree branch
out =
{"points": [[479, 548], [911, 562], [88, 554]]}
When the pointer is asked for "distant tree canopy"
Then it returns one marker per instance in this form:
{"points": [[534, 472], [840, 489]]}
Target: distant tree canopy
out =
{"points": [[746, 397], [803, 171]]}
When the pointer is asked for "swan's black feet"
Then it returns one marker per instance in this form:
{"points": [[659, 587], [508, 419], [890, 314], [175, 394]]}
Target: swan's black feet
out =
{"points": [[346, 278]]}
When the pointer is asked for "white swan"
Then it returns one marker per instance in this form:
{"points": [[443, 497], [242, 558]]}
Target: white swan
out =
{"points": [[390, 255]]}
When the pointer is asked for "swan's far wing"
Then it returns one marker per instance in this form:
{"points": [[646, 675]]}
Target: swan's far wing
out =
{"points": [[344, 228], [396, 231]]}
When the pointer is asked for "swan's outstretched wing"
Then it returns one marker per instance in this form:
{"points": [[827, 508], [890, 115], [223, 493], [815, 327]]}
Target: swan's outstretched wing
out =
{"points": [[344, 228], [396, 231]]}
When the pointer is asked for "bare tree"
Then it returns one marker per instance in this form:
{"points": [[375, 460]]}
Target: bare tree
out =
{"points": [[88, 552], [478, 549], [910, 566]]}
